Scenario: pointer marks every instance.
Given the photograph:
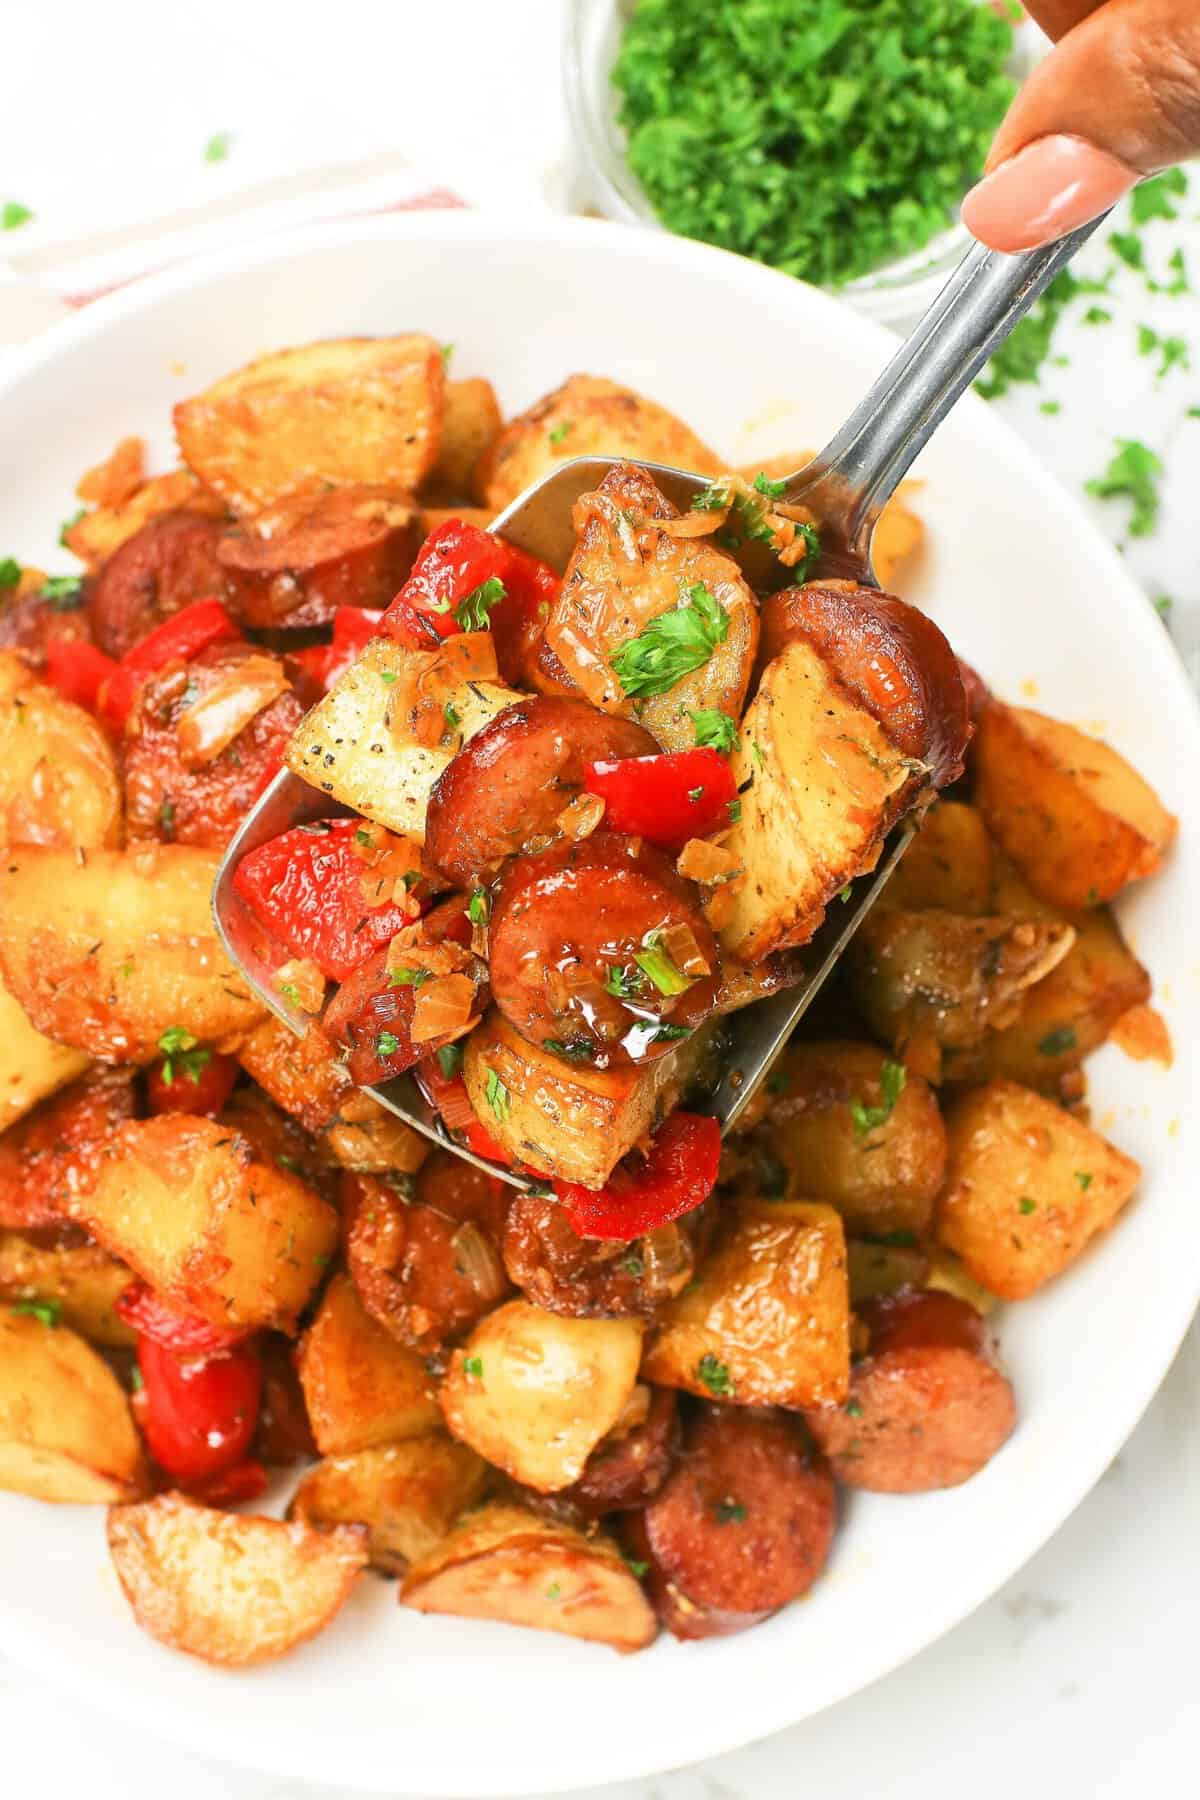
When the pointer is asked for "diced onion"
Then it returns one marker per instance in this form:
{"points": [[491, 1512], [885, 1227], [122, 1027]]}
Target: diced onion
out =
{"points": [[212, 722], [707, 863], [476, 1256], [581, 817], [442, 1008], [679, 942]]}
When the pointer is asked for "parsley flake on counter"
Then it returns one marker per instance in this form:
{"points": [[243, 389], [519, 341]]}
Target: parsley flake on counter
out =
{"points": [[1133, 474], [1028, 346], [892, 1079], [497, 1095], [218, 146], [672, 645], [1097, 315], [13, 215], [182, 1053], [1050, 408], [1162, 605], [714, 1375], [1153, 199], [48, 1311], [714, 730], [1128, 246]]}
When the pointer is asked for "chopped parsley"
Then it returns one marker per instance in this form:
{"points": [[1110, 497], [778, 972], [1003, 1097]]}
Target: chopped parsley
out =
{"points": [[734, 808], [1050, 408], [1028, 345], [387, 676], [290, 992], [774, 490], [1153, 199], [553, 1591], [561, 430], [363, 836], [637, 1567], [452, 715], [62, 593], [166, 819], [714, 1375], [13, 215], [576, 1049], [669, 1034], [804, 568], [621, 983], [892, 1079], [712, 499], [477, 906], [1128, 246], [447, 353], [1173, 350], [656, 963], [672, 645], [853, 1408], [413, 978], [387, 1044], [714, 730], [217, 148], [181, 1053], [756, 752], [696, 793], [67, 525], [10, 571], [473, 1367], [1162, 605], [632, 1264], [729, 1512], [1027, 1205], [1084, 1178], [48, 1311], [1055, 1042], [497, 1096], [472, 613], [1132, 474], [450, 1058], [1097, 315]]}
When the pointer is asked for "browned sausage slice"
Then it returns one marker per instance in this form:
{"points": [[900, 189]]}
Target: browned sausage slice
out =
{"points": [[741, 1527], [599, 1277], [600, 952], [166, 565], [296, 563], [927, 1407], [508, 785], [624, 1471]]}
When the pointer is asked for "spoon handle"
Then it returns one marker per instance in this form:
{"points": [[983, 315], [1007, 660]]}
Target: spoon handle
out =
{"points": [[872, 452]]}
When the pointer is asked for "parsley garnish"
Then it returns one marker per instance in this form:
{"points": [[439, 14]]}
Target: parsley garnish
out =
{"points": [[734, 808], [166, 819], [892, 1078], [1055, 1042], [452, 716], [576, 1049], [387, 676], [714, 730], [669, 1034], [387, 1044], [729, 1512], [413, 978], [363, 836], [553, 1591], [1133, 474], [472, 613], [620, 982], [217, 148], [561, 430], [497, 1096], [447, 353], [804, 568], [1128, 247], [63, 593], [656, 962], [1026, 1205], [756, 752], [853, 1408], [181, 1051], [637, 1567], [712, 499], [714, 1375], [290, 992], [450, 1058], [473, 1367], [672, 645], [68, 523], [14, 214], [632, 1264], [477, 906], [774, 490], [1084, 1178], [10, 571], [48, 1311]]}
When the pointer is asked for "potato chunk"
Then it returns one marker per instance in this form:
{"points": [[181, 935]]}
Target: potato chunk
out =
{"points": [[505, 1563], [470, 425], [186, 1203], [107, 949], [96, 535], [407, 1495], [226, 1588], [32, 1067], [342, 413], [361, 1386], [768, 1321], [823, 781], [1028, 1187], [948, 864], [534, 1392], [1077, 820], [882, 1177], [586, 416], [82, 1280], [66, 1432], [378, 741], [58, 774]]}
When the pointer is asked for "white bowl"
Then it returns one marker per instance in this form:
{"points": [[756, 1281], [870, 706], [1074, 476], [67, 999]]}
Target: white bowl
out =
{"points": [[387, 1699]]}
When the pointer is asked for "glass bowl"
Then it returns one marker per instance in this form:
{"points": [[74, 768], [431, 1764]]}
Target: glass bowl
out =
{"points": [[896, 293]]}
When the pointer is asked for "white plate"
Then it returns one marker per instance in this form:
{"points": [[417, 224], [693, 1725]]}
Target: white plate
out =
{"points": [[1029, 593]]}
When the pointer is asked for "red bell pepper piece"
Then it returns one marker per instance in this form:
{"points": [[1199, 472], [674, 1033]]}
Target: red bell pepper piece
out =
{"points": [[306, 887], [178, 639], [183, 1334], [202, 1091], [198, 1416], [455, 563], [677, 1175], [78, 670], [665, 799], [353, 629], [245, 1481], [448, 1094]]}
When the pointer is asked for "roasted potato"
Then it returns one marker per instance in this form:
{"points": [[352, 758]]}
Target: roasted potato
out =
{"points": [[534, 1392], [186, 1203], [829, 1124], [1077, 820], [95, 536], [767, 1322], [375, 742], [470, 425], [342, 413], [107, 949], [875, 1269], [947, 865], [31, 1066], [52, 1155], [81, 1282], [586, 416], [58, 774], [504, 1562], [361, 1387], [226, 1588], [407, 1495], [1027, 1188], [66, 1432]]}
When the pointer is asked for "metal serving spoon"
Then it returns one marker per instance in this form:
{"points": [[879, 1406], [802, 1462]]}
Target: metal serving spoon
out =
{"points": [[846, 487]]}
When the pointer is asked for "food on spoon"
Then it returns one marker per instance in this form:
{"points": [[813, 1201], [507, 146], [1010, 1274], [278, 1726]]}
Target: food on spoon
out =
{"points": [[949, 863]]}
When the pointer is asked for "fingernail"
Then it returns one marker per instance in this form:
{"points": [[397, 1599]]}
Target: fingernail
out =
{"points": [[1045, 190]]}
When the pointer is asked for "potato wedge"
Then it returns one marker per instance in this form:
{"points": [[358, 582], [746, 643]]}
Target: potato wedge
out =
{"points": [[82, 1281], [768, 1321], [1027, 1188], [574, 1123], [226, 1588], [586, 416], [470, 425], [821, 781], [342, 413], [107, 949], [505, 1563], [66, 1432], [534, 1392], [58, 774], [881, 1177], [366, 744], [214, 1230], [407, 1495], [361, 1387], [94, 537], [32, 1067], [1077, 820], [948, 864]]}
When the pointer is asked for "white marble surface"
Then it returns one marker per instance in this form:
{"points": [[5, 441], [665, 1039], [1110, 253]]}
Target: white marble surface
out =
{"points": [[1079, 1678]]}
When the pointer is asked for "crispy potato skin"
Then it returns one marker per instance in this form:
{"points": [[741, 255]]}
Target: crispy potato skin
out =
{"points": [[346, 412], [107, 949], [31, 1066], [771, 1308], [880, 1181], [1077, 820], [185, 1202], [948, 864], [1015, 1206], [292, 565], [409, 1496], [58, 775], [470, 426], [534, 1392], [503, 1562], [81, 1279], [226, 1588], [601, 418], [66, 1432], [361, 1387], [100, 533], [53, 1156]]}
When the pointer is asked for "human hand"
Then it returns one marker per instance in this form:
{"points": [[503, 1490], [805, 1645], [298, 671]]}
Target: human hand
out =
{"points": [[1118, 98]]}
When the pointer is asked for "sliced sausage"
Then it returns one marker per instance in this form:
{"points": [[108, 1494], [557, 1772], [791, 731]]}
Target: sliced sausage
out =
{"points": [[296, 563], [426, 1266], [927, 1406], [51, 1157], [168, 794], [29, 625], [508, 785], [166, 565], [599, 1277], [583, 940], [740, 1528], [890, 656], [624, 1471]]}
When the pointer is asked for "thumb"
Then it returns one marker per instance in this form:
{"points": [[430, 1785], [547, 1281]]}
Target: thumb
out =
{"points": [[1118, 98]]}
